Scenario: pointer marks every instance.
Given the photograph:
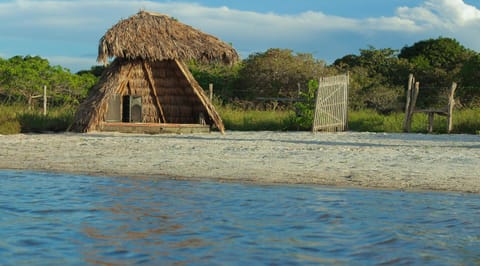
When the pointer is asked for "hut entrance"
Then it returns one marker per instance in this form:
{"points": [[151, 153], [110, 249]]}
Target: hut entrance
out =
{"points": [[131, 109]]}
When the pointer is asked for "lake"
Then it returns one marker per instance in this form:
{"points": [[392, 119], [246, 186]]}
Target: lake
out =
{"points": [[60, 219]]}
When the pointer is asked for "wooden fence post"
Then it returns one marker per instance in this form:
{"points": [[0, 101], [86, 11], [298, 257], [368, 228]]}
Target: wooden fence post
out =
{"points": [[431, 118], [407, 102], [451, 105], [412, 93], [44, 99]]}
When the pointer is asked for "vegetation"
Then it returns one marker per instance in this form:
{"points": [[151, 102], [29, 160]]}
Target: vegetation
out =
{"points": [[304, 110], [223, 77], [277, 73], [22, 80], [286, 79], [254, 120], [466, 121], [21, 119]]}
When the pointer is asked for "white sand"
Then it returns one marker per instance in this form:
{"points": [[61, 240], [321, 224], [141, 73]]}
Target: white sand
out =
{"points": [[394, 161]]}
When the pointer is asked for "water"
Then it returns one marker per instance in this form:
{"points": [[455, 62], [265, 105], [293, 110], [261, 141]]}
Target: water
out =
{"points": [[55, 219]]}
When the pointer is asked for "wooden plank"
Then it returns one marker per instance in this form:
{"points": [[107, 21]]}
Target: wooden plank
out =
{"points": [[154, 128]]}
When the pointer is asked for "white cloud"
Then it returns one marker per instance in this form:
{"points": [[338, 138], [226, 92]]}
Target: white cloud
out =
{"points": [[72, 28], [442, 14], [449, 18]]}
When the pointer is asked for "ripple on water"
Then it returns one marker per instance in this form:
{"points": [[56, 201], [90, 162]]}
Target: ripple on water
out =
{"points": [[66, 219]]}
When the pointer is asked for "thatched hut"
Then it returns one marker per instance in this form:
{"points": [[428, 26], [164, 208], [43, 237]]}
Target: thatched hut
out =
{"points": [[148, 87]]}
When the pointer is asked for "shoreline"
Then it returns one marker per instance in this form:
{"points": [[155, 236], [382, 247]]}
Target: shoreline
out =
{"points": [[406, 162]]}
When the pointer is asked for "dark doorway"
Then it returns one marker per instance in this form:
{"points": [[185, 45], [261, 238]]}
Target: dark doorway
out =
{"points": [[126, 109]]}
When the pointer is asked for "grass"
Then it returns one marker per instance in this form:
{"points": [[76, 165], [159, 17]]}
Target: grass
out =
{"points": [[16, 119], [253, 120], [466, 121], [8, 120]]}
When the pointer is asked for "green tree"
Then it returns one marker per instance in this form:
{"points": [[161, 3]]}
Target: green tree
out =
{"points": [[222, 77], [277, 73], [376, 79], [68, 88], [436, 63], [469, 91], [97, 71], [23, 78]]}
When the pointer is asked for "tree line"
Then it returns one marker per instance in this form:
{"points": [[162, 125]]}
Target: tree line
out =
{"points": [[22, 79], [378, 77]]}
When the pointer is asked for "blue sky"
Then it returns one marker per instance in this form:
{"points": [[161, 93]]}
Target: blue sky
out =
{"points": [[67, 31]]}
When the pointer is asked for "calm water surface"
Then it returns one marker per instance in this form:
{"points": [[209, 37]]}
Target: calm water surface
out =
{"points": [[54, 219]]}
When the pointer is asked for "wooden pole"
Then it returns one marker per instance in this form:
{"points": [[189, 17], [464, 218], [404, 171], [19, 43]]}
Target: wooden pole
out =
{"points": [[210, 91], [431, 116], [451, 105], [44, 99], [413, 102], [406, 122]]}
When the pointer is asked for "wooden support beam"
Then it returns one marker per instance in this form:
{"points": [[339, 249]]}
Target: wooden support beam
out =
{"points": [[154, 91], [202, 96]]}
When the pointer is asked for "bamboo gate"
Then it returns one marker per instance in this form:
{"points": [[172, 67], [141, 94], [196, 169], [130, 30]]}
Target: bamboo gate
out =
{"points": [[331, 104]]}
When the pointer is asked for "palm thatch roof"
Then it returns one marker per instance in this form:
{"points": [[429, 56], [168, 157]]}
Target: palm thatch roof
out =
{"points": [[155, 37]]}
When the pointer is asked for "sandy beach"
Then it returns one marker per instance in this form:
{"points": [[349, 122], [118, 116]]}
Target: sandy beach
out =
{"points": [[370, 160]]}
